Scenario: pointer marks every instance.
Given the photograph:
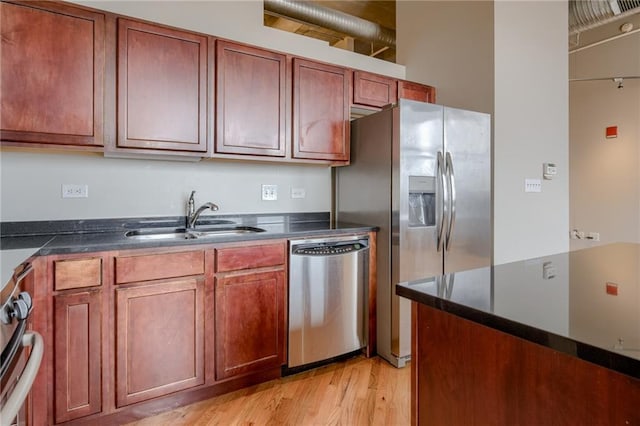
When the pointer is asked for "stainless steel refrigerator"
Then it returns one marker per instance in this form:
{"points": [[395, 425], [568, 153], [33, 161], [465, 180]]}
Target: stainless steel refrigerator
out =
{"points": [[421, 173]]}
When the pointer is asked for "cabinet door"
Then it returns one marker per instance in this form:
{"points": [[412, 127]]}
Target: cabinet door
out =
{"points": [[250, 100], [159, 339], [249, 322], [51, 74], [374, 90], [321, 102], [416, 92], [162, 86], [77, 353]]}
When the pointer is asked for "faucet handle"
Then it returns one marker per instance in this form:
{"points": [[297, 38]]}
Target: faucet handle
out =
{"points": [[191, 204]]}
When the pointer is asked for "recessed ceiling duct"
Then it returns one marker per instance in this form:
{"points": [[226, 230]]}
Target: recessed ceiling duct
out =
{"points": [[335, 20], [588, 14]]}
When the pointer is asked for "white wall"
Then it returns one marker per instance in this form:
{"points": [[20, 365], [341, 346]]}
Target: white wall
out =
{"points": [[31, 181], [605, 173], [31, 186], [531, 128], [513, 64]]}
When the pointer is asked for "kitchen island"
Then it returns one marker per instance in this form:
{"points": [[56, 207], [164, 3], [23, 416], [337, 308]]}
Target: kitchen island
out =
{"points": [[551, 340]]}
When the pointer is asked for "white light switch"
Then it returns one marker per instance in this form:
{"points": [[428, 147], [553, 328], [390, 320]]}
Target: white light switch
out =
{"points": [[75, 191], [298, 193], [532, 185]]}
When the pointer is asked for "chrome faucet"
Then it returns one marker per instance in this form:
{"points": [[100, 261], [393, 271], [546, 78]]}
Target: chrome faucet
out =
{"points": [[193, 214]]}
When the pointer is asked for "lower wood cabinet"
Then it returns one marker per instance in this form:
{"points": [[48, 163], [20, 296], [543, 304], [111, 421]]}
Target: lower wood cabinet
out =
{"points": [[250, 322], [77, 354], [143, 328], [159, 339]]}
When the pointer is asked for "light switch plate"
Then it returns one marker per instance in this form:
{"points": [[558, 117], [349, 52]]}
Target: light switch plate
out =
{"points": [[70, 190], [298, 193], [532, 185]]}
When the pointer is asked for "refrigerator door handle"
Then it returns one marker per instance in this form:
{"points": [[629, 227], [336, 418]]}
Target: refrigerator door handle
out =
{"points": [[451, 181], [441, 177]]}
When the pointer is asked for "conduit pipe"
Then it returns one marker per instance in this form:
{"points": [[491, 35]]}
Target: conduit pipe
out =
{"points": [[335, 20], [587, 14]]}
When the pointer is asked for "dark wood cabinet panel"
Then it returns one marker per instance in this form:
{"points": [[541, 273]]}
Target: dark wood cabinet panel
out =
{"points": [[156, 266], [78, 361], [467, 373], [250, 100], [249, 322], [51, 74], [374, 90], [250, 257], [77, 273], [416, 92], [321, 103], [159, 339], [162, 88]]}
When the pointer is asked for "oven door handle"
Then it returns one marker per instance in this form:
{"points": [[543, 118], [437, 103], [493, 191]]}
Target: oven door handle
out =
{"points": [[19, 393]]}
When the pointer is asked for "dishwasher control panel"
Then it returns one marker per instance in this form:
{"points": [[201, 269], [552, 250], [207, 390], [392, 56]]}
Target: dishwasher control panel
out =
{"points": [[328, 249]]}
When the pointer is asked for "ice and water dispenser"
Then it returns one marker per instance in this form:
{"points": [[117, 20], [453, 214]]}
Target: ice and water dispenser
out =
{"points": [[422, 201]]}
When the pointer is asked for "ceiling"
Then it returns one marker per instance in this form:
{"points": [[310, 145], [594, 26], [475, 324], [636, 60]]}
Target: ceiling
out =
{"points": [[383, 13]]}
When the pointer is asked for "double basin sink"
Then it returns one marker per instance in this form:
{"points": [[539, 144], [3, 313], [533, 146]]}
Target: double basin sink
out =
{"points": [[221, 229]]}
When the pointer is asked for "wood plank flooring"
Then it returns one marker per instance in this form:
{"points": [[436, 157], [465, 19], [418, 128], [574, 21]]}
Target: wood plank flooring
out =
{"points": [[355, 392]]}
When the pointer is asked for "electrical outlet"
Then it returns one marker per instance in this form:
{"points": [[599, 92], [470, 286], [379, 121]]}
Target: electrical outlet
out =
{"points": [[532, 185], [593, 236], [298, 193], [269, 192], [70, 190]]}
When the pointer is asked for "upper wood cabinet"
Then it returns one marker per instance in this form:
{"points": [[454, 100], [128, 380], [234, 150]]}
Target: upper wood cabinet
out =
{"points": [[416, 92], [250, 101], [51, 74], [162, 88], [321, 103], [374, 90]]}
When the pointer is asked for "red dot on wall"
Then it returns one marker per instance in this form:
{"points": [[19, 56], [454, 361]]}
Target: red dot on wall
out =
{"points": [[612, 132]]}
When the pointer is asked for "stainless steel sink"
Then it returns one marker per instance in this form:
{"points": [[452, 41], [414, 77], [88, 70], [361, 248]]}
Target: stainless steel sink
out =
{"points": [[236, 230], [191, 234]]}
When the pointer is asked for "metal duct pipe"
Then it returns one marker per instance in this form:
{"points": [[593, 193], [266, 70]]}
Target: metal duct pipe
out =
{"points": [[587, 14], [332, 19]]}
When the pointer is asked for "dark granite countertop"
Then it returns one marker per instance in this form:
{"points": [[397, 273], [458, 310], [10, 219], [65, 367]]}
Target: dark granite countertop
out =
{"points": [[62, 237], [584, 303]]}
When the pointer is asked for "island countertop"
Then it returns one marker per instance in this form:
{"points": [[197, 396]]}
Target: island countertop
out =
{"points": [[584, 303]]}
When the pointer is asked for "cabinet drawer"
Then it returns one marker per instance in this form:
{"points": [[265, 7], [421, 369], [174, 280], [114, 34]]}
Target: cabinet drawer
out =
{"points": [[77, 273], [157, 266], [238, 258]]}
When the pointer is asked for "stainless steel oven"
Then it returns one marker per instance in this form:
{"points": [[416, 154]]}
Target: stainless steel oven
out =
{"points": [[21, 349]]}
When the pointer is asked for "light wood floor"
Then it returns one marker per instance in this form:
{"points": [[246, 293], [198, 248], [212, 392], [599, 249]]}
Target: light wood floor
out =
{"points": [[358, 391]]}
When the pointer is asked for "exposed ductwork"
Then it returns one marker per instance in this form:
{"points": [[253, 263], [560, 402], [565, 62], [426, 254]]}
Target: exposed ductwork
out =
{"points": [[311, 13], [588, 14]]}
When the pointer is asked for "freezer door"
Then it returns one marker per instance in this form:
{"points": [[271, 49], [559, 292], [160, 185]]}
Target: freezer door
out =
{"points": [[417, 201], [467, 137]]}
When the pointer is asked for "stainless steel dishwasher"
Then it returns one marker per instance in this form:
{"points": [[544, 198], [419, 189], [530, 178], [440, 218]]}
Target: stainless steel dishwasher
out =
{"points": [[328, 281]]}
